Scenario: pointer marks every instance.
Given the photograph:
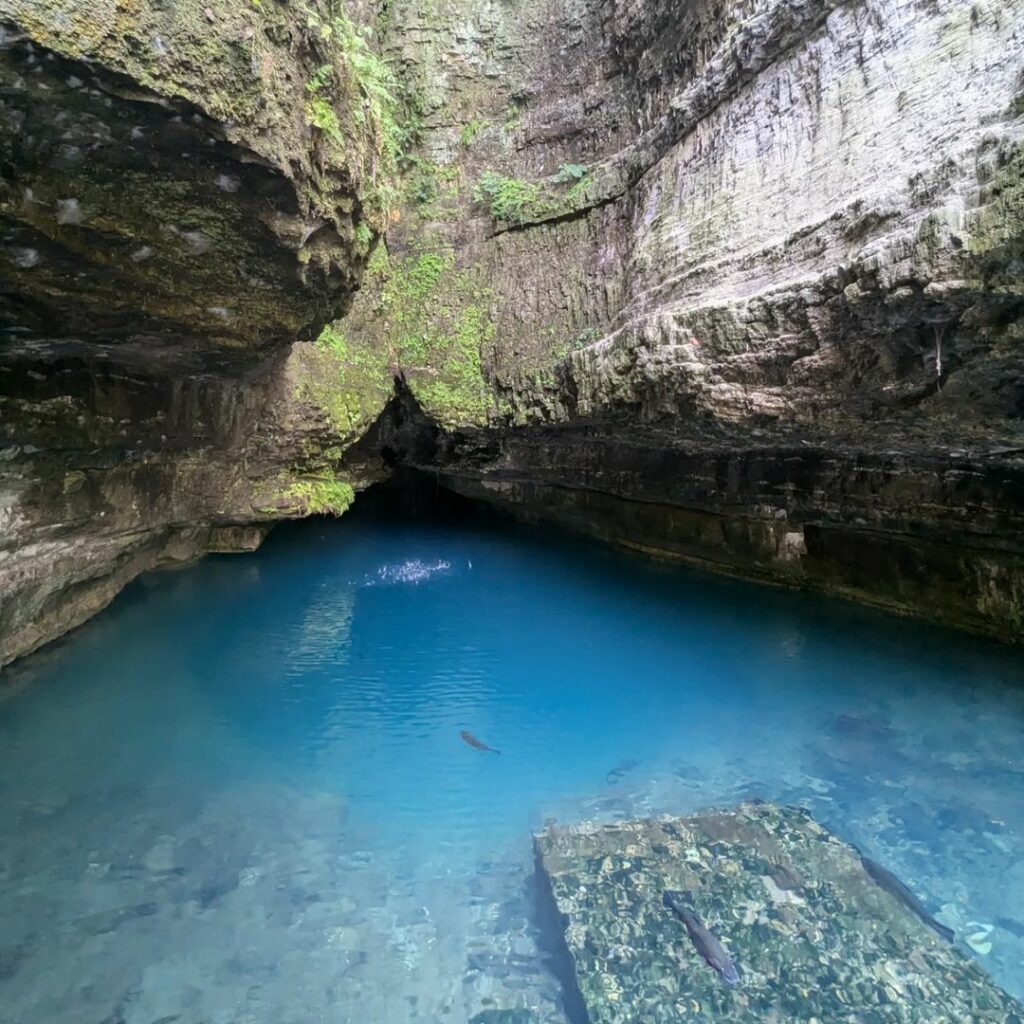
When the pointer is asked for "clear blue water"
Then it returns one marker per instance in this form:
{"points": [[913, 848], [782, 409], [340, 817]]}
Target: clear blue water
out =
{"points": [[240, 794]]}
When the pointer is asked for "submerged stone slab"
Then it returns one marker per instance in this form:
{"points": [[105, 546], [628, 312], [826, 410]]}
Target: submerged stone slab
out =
{"points": [[813, 937]]}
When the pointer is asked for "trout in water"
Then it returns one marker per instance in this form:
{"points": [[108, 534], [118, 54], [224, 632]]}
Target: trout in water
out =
{"points": [[704, 940], [785, 876], [468, 737], [621, 769], [886, 880]]}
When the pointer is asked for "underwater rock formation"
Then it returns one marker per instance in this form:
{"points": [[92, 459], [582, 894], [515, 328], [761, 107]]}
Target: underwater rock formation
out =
{"points": [[740, 285], [811, 933]]}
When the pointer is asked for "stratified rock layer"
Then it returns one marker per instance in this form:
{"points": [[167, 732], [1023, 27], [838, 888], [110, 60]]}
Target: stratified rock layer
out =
{"points": [[752, 282], [171, 220], [177, 466], [740, 284], [812, 936]]}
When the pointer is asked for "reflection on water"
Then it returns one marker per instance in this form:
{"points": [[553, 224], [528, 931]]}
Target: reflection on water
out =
{"points": [[412, 571], [241, 793]]}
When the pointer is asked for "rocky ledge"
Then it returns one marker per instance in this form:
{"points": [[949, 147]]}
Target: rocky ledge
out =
{"points": [[806, 925], [175, 212]]}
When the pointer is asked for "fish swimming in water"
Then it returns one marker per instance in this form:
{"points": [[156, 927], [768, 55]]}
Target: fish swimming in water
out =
{"points": [[785, 876], [468, 737], [704, 940], [1008, 924], [886, 880], [619, 770]]}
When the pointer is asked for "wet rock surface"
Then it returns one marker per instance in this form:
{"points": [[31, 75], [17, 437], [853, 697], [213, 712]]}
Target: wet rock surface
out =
{"points": [[118, 192], [173, 459], [811, 933], [917, 533]]}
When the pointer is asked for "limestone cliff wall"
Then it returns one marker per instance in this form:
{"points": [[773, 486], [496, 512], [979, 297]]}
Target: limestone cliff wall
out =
{"points": [[752, 283], [184, 191], [734, 282]]}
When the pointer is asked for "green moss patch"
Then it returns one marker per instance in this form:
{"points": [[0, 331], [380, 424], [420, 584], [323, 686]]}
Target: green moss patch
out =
{"points": [[322, 496], [515, 201], [997, 236], [349, 383], [435, 318]]}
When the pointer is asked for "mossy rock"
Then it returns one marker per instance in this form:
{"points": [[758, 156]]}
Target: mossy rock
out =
{"points": [[812, 934]]}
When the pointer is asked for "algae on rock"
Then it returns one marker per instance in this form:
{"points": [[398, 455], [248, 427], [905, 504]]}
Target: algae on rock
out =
{"points": [[430, 316], [173, 227], [812, 935]]}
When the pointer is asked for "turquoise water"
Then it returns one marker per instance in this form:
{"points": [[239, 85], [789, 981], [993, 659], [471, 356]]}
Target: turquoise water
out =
{"points": [[240, 794]]}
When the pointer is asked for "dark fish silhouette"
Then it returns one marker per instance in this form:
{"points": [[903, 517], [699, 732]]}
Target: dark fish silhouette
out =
{"points": [[619, 770], [705, 941], [468, 737], [1008, 924], [886, 880], [785, 876]]}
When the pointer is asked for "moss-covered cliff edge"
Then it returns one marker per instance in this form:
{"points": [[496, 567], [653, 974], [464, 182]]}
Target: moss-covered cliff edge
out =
{"points": [[737, 284], [185, 190]]}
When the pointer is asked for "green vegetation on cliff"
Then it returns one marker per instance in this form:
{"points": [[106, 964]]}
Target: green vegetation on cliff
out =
{"points": [[515, 201], [511, 199], [349, 384], [470, 130], [433, 319], [357, 79], [322, 496], [997, 236]]}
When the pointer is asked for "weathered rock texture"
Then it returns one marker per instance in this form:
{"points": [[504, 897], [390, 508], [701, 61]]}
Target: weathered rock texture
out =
{"points": [[811, 934], [181, 463], [775, 327], [170, 221], [736, 283]]}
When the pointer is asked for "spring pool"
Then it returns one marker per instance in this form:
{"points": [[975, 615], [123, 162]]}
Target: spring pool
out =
{"points": [[240, 794]]}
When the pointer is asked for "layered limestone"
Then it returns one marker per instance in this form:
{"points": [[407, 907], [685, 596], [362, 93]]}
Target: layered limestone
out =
{"points": [[185, 191], [751, 279], [164, 176], [739, 284], [178, 466]]}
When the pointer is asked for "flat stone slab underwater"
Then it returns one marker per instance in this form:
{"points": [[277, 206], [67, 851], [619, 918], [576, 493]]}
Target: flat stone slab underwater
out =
{"points": [[814, 932]]}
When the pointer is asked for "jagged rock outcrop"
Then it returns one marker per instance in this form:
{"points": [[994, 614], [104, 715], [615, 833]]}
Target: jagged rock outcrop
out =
{"points": [[175, 210], [737, 283]]}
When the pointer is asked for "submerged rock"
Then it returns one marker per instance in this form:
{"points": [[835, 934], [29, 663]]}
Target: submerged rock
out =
{"points": [[844, 949], [518, 1016]]}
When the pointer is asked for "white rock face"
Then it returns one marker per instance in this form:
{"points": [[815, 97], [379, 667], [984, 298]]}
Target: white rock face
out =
{"points": [[777, 326], [815, 235], [843, 133]]}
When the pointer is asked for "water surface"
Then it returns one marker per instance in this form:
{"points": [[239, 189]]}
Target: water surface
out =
{"points": [[240, 795]]}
